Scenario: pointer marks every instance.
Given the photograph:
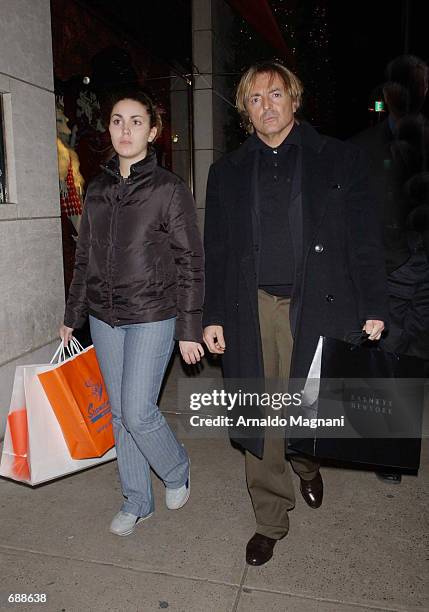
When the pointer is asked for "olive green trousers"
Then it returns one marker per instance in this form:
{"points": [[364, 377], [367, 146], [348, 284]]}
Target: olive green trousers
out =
{"points": [[269, 480]]}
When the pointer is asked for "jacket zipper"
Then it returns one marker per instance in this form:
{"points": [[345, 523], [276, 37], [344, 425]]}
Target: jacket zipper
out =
{"points": [[112, 231]]}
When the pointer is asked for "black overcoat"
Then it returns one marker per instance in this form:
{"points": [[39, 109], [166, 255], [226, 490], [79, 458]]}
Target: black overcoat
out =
{"points": [[339, 266]]}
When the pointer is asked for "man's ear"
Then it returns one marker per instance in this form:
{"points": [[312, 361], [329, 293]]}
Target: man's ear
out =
{"points": [[294, 107]]}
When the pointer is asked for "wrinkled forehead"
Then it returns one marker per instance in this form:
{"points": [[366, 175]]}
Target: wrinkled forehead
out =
{"points": [[266, 80]]}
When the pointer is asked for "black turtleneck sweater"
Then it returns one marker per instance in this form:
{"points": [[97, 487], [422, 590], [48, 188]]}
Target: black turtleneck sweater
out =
{"points": [[275, 175]]}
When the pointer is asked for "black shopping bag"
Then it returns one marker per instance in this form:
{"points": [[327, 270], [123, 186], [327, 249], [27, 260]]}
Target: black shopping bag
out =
{"points": [[380, 396]]}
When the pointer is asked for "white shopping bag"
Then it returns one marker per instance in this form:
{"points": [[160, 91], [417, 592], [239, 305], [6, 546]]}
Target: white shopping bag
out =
{"points": [[44, 454], [310, 393]]}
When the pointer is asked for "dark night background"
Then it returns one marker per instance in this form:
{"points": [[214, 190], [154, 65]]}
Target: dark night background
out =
{"points": [[341, 51], [341, 47]]}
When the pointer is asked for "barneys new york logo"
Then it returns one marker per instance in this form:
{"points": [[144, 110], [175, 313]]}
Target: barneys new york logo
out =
{"points": [[378, 405]]}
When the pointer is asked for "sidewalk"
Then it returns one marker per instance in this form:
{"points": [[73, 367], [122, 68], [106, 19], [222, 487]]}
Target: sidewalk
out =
{"points": [[364, 549]]}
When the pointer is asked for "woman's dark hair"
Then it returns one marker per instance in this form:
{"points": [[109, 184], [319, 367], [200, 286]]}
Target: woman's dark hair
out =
{"points": [[138, 96]]}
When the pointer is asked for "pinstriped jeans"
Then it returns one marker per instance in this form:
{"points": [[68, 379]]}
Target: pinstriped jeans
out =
{"points": [[133, 360]]}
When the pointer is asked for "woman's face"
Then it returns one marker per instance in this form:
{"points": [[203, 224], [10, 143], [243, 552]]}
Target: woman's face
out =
{"points": [[130, 129]]}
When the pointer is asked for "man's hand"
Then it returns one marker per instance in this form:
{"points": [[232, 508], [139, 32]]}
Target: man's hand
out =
{"points": [[374, 329], [66, 334], [191, 351], [213, 337]]}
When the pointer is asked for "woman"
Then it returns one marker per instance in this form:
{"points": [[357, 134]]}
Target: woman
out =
{"points": [[139, 276]]}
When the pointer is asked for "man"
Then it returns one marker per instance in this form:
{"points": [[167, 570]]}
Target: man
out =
{"points": [[397, 149], [293, 252]]}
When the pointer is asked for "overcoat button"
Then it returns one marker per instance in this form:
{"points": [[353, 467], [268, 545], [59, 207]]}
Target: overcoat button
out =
{"points": [[319, 248], [336, 186], [329, 298]]}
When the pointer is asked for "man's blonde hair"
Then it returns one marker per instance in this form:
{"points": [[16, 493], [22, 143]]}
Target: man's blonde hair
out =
{"points": [[291, 82]]}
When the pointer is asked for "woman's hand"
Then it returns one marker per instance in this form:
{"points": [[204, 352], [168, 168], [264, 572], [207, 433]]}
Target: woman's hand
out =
{"points": [[66, 334], [191, 351]]}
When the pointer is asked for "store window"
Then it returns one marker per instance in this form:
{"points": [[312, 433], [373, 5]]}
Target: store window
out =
{"points": [[3, 185]]}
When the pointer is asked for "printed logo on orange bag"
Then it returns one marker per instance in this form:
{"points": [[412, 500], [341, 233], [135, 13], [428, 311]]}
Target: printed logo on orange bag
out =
{"points": [[96, 388], [97, 412], [78, 397]]}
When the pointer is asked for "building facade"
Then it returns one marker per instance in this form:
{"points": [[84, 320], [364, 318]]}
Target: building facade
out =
{"points": [[31, 272], [31, 238]]}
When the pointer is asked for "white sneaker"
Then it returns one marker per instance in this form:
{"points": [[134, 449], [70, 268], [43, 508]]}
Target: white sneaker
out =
{"points": [[176, 498], [124, 523]]}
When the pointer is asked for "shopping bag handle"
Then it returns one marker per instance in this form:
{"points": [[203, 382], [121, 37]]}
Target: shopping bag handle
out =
{"points": [[59, 354], [75, 346], [358, 338]]}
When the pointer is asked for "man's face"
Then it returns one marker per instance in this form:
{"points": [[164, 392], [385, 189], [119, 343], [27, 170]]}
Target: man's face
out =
{"points": [[270, 108]]}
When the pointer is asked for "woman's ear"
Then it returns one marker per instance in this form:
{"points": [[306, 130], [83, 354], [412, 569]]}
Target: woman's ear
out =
{"points": [[152, 134]]}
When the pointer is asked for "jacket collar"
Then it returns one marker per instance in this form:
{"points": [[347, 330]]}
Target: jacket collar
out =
{"points": [[309, 139], [139, 170], [293, 138]]}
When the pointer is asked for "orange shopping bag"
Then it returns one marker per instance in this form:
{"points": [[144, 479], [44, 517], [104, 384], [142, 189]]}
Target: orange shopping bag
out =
{"points": [[17, 422], [34, 449], [76, 392]]}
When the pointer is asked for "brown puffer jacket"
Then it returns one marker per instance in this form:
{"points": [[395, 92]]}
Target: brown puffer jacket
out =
{"points": [[139, 255]]}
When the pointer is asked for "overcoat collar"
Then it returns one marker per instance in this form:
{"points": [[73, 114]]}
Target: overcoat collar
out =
{"points": [[310, 138]]}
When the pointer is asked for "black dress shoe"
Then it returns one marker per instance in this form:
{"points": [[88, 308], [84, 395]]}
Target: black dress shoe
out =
{"points": [[312, 491], [259, 549], [389, 477]]}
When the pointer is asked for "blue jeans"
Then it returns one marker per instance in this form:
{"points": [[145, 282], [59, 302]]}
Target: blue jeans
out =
{"points": [[133, 360]]}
